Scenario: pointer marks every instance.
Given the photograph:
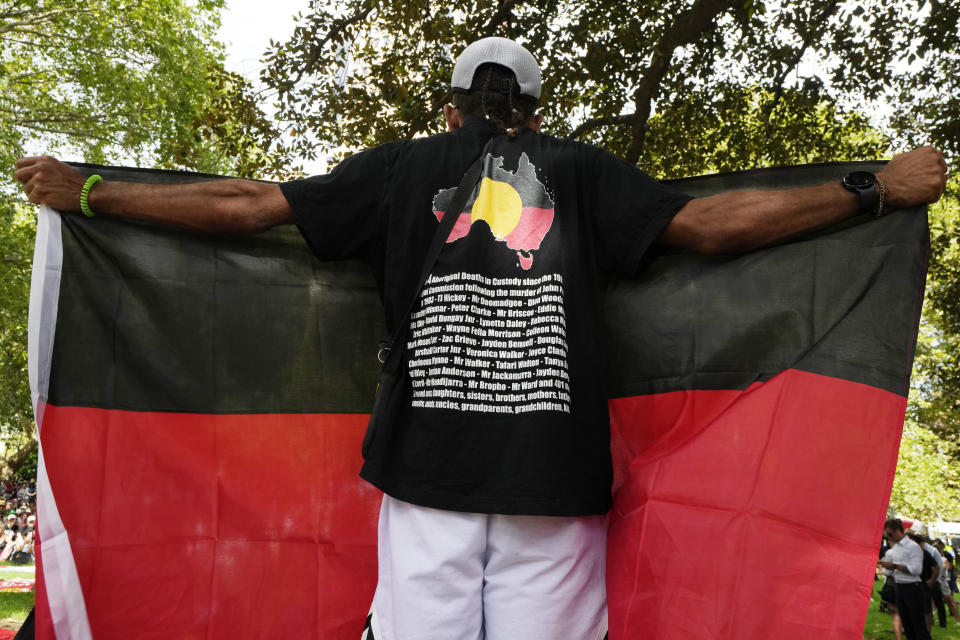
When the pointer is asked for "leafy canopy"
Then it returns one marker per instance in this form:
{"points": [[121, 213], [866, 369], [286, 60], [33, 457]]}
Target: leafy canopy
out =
{"points": [[643, 80], [113, 78]]}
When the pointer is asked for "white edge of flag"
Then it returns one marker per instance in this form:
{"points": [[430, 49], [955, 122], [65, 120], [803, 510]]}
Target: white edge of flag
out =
{"points": [[64, 594]]}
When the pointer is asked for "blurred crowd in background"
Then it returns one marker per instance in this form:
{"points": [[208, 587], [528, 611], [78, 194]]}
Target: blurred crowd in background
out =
{"points": [[19, 500], [920, 578]]}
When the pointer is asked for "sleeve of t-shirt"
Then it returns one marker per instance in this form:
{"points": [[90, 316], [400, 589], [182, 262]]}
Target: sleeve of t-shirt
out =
{"points": [[631, 210], [886, 558], [913, 560], [337, 212]]}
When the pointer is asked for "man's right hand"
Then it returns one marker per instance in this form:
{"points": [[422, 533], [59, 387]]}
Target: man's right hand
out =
{"points": [[48, 181], [914, 178]]}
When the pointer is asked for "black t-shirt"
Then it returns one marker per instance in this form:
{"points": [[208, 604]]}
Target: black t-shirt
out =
{"points": [[509, 410]]}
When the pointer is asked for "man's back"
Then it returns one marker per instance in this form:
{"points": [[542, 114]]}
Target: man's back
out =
{"points": [[508, 409]]}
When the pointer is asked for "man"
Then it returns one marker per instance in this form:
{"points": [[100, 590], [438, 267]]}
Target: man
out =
{"points": [[929, 584], [905, 558], [934, 584], [496, 476], [944, 580]]}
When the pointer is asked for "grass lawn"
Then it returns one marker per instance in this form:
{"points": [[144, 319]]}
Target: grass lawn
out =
{"points": [[879, 626], [14, 607], [8, 574]]}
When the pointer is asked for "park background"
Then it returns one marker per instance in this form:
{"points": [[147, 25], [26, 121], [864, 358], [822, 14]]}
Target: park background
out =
{"points": [[681, 88]]}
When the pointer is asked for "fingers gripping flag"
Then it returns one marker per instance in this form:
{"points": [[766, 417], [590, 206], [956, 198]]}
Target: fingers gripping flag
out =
{"points": [[201, 402]]}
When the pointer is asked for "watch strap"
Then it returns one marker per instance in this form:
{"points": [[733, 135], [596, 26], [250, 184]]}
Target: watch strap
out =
{"points": [[869, 194]]}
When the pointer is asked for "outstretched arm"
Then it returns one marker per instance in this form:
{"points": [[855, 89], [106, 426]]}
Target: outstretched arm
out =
{"points": [[745, 220], [214, 205]]}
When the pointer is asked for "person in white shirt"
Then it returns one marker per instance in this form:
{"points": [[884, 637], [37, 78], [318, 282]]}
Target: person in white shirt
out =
{"points": [[905, 559]]}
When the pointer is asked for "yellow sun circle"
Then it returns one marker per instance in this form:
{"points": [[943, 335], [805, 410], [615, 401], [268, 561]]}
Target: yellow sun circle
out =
{"points": [[499, 205]]}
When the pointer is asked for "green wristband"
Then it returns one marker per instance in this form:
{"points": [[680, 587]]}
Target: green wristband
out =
{"points": [[85, 195]]}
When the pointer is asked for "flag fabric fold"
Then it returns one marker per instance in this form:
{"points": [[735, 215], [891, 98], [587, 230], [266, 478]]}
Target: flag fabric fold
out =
{"points": [[201, 402]]}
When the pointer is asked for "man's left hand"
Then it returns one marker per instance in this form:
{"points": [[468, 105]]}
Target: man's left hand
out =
{"points": [[914, 178]]}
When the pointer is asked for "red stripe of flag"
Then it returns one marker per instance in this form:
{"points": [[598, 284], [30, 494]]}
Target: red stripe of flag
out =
{"points": [[197, 526], [750, 514]]}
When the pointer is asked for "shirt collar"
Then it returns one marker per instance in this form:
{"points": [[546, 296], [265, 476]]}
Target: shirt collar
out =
{"points": [[478, 124]]}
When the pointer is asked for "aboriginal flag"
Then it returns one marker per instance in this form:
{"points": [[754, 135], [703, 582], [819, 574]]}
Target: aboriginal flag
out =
{"points": [[201, 402]]}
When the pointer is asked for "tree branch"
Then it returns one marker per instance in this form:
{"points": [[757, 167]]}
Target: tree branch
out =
{"points": [[54, 118], [828, 11], [21, 78], [76, 133], [6, 14], [40, 17], [503, 12], [48, 38], [601, 121], [687, 28], [335, 29], [439, 99]]}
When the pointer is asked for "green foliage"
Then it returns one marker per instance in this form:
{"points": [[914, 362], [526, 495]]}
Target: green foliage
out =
{"points": [[103, 75], [233, 124], [808, 129], [27, 469], [927, 484], [111, 78], [928, 479], [930, 92], [638, 79], [936, 382], [17, 229], [15, 606]]}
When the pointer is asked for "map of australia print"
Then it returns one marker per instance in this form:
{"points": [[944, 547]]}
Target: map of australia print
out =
{"points": [[515, 206]]}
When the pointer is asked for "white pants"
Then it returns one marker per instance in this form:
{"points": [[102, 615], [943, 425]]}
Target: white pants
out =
{"points": [[446, 575]]}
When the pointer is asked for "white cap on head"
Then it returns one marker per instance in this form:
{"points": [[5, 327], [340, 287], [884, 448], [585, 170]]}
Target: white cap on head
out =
{"points": [[500, 51]]}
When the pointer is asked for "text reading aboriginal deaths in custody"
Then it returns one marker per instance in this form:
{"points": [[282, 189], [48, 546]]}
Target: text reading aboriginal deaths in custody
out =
{"points": [[494, 345]]}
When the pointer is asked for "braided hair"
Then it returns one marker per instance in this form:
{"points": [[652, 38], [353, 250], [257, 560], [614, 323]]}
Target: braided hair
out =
{"points": [[495, 95]]}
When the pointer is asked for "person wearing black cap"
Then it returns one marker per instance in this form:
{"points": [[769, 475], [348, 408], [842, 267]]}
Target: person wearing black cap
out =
{"points": [[497, 471]]}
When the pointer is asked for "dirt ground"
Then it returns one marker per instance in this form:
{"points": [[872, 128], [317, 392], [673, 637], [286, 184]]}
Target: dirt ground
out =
{"points": [[10, 623]]}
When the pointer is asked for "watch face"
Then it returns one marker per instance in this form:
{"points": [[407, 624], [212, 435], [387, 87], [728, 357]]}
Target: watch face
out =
{"points": [[859, 179]]}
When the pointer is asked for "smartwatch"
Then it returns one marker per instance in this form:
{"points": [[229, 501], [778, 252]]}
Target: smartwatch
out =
{"points": [[869, 189]]}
